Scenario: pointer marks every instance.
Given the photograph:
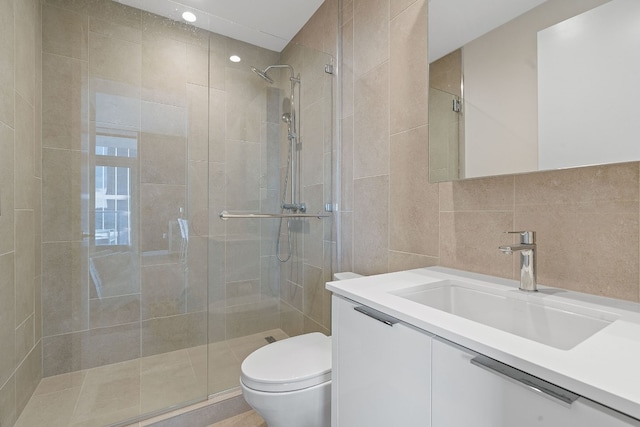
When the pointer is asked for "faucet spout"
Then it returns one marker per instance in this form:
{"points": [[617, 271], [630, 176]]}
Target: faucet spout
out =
{"points": [[527, 249]]}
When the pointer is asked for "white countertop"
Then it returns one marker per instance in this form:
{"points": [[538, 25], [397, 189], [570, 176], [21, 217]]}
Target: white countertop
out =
{"points": [[605, 367]]}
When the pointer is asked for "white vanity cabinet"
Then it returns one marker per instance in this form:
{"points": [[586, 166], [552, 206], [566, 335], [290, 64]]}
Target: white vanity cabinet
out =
{"points": [[469, 389], [381, 370]]}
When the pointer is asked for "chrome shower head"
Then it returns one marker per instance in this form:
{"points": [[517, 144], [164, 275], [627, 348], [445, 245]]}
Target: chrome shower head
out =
{"points": [[286, 117], [263, 74]]}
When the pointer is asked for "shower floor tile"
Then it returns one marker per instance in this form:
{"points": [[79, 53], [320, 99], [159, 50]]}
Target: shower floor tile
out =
{"points": [[114, 393]]}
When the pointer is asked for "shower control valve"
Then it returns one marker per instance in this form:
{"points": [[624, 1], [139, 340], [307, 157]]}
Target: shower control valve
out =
{"points": [[295, 207]]}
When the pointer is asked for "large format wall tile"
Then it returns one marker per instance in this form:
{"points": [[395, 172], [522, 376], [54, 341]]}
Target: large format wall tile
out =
{"points": [[112, 311], [603, 254], [7, 316], [408, 90], [114, 104], [24, 339], [198, 65], [8, 402], [163, 290], [26, 16], [24, 266], [89, 349], [158, 55], [8, 63], [371, 230], [7, 179], [172, 333], [371, 34], [65, 33], [313, 144], [28, 375], [347, 80], [160, 207], [156, 26], [495, 194], [198, 132], [64, 289], [130, 31], [116, 60], [242, 259], [399, 261], [164, 119], [24, 155], [414, 202], [244, 103], [61, 194], [371, 123], [470, 240], [165, 159], [313, 234], [313, 293], [64, 100], [243, 176], [598, 185]]}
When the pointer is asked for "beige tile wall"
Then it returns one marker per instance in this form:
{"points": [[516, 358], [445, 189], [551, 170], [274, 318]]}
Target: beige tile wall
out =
{"points": [[393, 219], [305, 303], [20, 205]]}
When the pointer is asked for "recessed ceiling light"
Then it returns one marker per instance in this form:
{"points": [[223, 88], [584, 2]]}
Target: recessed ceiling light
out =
{"points": [[235, 58], [189, 16]]}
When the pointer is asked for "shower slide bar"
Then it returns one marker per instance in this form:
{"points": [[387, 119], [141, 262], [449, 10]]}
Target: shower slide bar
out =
{"points": [[224, 215]]}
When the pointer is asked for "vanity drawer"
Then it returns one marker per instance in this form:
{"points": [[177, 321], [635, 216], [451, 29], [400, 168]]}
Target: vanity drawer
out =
{"points": [[381, 369], [471, 390]]}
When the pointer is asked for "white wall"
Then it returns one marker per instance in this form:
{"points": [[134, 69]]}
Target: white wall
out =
{"points": [[589, 92]]}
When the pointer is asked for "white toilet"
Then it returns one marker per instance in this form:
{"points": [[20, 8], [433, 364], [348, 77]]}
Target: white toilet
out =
{"points": [[289, 382]]}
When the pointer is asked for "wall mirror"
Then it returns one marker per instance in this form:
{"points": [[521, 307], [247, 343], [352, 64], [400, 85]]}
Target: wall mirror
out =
{"points": [[527, 85]]}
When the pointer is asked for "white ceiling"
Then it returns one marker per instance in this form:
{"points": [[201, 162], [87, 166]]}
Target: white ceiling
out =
{"points": [[266, 23], [454, 23]]}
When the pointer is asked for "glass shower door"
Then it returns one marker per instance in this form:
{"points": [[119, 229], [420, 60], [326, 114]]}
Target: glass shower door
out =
{"points": [[125, 126]]}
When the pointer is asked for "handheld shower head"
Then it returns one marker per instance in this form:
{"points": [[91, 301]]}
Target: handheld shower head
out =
{"points": [[262, 74]]}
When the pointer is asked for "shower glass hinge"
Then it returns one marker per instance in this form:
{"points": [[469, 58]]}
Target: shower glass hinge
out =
{"points": [[457, 106], [330, 207], [328, 68]]}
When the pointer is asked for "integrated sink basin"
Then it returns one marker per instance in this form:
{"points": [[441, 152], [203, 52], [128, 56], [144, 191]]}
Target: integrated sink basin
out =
{"points": [[530, 316]]}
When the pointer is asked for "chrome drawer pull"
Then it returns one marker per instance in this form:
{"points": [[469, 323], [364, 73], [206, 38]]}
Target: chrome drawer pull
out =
{"points": [[375, 314], [533, 383]]}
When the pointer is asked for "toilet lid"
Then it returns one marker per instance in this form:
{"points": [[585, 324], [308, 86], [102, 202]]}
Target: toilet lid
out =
{"points": [[291, 364]]}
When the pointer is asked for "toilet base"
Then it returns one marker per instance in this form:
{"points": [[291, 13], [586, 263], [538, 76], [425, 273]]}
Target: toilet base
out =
{"points": [[310, 407]]}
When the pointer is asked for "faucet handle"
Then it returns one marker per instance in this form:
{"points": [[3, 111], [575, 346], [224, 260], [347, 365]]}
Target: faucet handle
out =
{"points": [[526, 237]]}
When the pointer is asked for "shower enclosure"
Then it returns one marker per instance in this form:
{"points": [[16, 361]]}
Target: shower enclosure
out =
{"points": [[150, 300]]}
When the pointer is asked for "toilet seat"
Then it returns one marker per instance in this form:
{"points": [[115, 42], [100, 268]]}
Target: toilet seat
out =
{"points": [[292, 364]]}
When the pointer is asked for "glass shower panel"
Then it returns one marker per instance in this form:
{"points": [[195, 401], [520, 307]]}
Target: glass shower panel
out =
{"points": [[150, 301], [255, 297], [125, 123]]}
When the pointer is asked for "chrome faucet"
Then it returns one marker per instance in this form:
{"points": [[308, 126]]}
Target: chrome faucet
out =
{"points": [[527, 249]]}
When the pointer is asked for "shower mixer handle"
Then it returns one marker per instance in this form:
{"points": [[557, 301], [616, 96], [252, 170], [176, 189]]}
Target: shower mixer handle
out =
{"points": [[296, 207]]}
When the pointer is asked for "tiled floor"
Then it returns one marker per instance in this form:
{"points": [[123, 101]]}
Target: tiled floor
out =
{"points": [[113, 393], [247, 419]]}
